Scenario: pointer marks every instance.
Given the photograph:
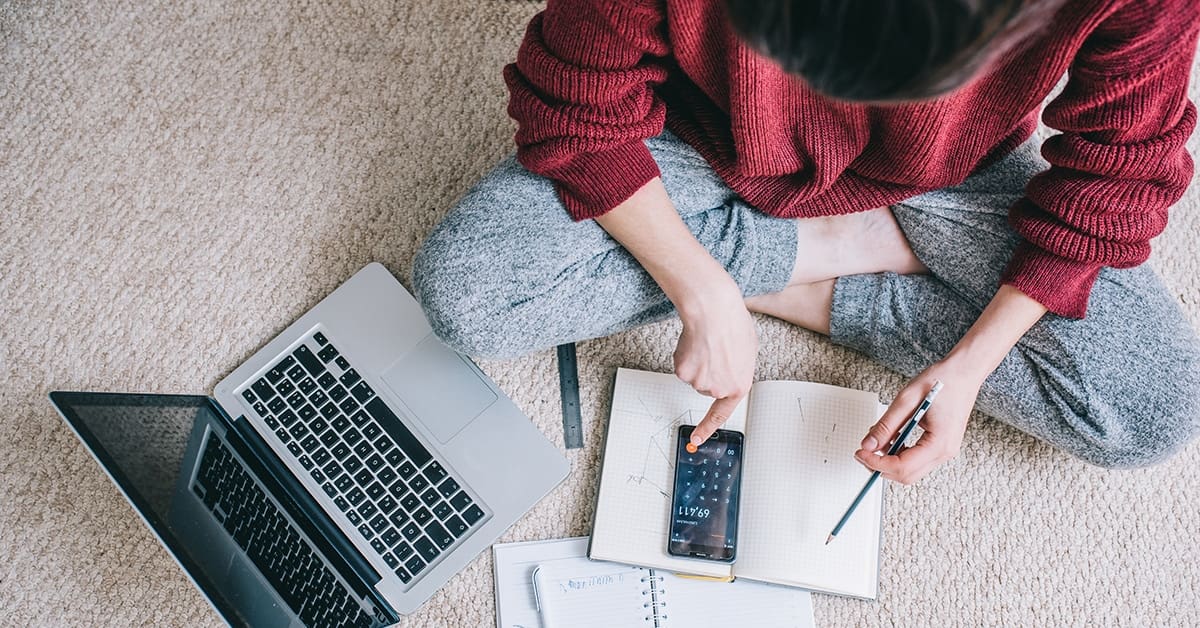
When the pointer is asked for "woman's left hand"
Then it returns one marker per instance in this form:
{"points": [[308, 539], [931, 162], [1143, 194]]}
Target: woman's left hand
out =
{"points": [[944, 424]]}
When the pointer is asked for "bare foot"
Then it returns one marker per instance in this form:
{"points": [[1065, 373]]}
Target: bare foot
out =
{"points": [[853, 244]]}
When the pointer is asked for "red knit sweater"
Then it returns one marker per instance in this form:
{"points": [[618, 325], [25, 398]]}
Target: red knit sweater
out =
{"points": [[593, 78]]}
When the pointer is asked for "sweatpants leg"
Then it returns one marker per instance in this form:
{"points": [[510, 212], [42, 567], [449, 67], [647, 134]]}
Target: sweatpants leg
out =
{"points": [[507, 272], [1120, 388]]}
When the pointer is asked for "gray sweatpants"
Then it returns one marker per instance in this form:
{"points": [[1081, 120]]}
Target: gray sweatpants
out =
{"points": [[508, 272]]}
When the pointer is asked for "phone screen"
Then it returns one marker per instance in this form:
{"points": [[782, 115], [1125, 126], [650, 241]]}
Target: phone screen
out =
{"points": [[704, 509]]}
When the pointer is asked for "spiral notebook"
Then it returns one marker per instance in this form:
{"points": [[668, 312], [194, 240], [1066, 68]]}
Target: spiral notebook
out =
{"points": [[799, 475], [548, 584], [582, 593]]}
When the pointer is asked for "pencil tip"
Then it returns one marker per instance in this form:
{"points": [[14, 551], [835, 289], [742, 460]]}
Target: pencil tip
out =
{"points": [[829, 539]]}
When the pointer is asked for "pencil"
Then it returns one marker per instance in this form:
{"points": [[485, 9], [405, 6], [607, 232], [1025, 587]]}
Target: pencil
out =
{"points": [[897, 445]]}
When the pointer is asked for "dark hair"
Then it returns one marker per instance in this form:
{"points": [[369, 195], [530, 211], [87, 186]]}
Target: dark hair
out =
{"points": [[884, 50]]}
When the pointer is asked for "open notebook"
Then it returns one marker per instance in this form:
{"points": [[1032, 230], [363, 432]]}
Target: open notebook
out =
{"points": [[576, 592], [798, 477]]}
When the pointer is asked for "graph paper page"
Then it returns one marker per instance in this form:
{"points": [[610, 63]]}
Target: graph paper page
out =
{"points": [[634, 502], [799, 477]]}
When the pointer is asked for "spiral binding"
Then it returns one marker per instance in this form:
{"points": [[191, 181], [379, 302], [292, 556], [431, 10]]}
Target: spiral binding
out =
{"points": [[657, 604]]}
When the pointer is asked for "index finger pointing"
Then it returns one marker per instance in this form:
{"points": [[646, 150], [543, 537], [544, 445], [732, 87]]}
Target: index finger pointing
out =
{"points": [[717, 415]]}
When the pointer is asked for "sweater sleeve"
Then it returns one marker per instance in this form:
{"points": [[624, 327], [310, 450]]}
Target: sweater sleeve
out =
{"points": [[582, 94], [1120, 161]]}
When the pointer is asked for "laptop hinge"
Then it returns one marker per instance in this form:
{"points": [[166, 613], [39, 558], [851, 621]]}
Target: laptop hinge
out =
{"points": [[311, 518]]}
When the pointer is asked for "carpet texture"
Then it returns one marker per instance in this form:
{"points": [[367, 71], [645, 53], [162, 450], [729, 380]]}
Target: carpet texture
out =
{"points": [[181, 180]]}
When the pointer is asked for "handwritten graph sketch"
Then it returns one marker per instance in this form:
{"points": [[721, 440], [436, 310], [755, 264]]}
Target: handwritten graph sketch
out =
{"points": [[656, 455]]}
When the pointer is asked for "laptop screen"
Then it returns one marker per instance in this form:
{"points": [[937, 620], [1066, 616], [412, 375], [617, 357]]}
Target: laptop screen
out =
{"points": [[140, 440]]}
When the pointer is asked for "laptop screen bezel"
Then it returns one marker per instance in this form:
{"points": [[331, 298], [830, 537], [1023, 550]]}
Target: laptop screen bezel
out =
{"points": [[64, 402]]}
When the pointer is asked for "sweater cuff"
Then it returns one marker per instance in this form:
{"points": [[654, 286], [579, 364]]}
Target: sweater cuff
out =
{"points": [[1060, 284], [594, 183]]}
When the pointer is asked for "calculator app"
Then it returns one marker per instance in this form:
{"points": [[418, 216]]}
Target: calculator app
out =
{"points": [[707, 482]]}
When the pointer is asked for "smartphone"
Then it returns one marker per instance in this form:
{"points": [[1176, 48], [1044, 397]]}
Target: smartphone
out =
{"points": [[704, 508]]}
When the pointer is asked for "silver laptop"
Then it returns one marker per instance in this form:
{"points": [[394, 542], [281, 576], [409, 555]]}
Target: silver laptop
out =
{"points": [[338, 477]]}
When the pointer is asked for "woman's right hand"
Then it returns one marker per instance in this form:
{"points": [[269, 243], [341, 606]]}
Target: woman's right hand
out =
{"points": [[717, 351]]}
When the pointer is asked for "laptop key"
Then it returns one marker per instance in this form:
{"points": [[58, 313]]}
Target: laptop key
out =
{"points": [[332, 470], [391, 536], [299, 430], [277, 405], [367, 510], [309, 443], [340, 423], [296, 373], [283, 435], [388, 504], [341, 503], [321, 456], [386, 475], [328, 353], [376, 490], [422, 516], [371, 431], [306, 385], [355, 496], [379, 523], [352, 464], [260, 408], [379, 546], [306, 462], [418, 483], [456, 525], [430, 497], [287, 418], [348, 405], [391, 560], [415, 564], [308, 360], [344, 482], [329, 410], [426, 549], [411, 530], [395, 457], [365, 531], [398, 518], [448, 488], [407, 470], [362, 392], [360, 418], [403, 550], [375, 462], [435, 472], [329, 489], [249, 395], [440, 536], [411, 502], [403, 575], [318, 398], [364, 477], [352, 436], [443, 510], [318, 425], [296, 400], [285, 387], [320, 338], [327, 380], [352, 515], [398, 489], [341, 362], [307, 412], [383, 444], [350, 378], [473, 514], [318, 475], [263, 389], [331, 437], [295, 449], [340, 451]]}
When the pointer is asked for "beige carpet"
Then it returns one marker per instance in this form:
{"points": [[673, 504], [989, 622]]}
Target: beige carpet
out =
{"points": [[180, 182]]}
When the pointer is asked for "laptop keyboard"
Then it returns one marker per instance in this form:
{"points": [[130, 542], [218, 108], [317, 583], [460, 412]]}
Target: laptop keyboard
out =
{"points": [[401, 499], [272, 543]]}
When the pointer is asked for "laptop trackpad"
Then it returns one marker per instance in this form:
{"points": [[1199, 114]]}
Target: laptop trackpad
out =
{"points": [[439, 387]]}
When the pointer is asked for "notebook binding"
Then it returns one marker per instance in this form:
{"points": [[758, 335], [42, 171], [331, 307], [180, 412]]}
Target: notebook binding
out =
{"points": [[656, 607]]}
